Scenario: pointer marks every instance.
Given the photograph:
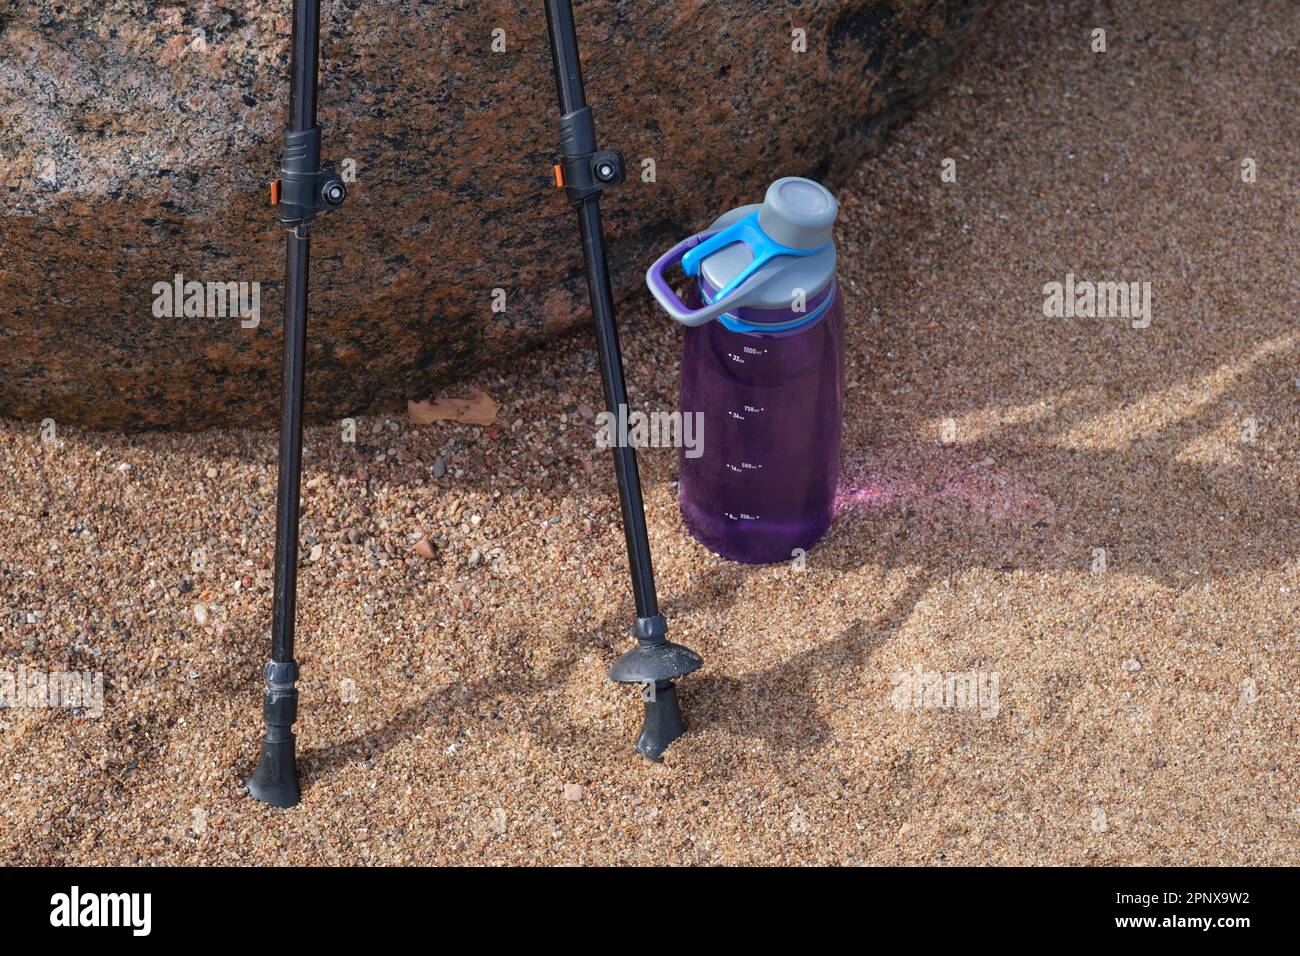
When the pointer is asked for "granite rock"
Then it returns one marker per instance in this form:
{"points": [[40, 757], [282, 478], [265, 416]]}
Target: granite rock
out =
{"points": [[136, 142]]}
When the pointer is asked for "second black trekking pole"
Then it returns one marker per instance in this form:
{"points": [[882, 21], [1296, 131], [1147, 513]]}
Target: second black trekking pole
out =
{"points": [[584, 172], [302, 192]]}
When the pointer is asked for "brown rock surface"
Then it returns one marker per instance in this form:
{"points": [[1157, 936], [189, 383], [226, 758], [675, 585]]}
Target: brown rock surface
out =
{"points": [[137, 142]]}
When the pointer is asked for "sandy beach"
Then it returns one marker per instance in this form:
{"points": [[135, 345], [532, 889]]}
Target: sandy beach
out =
{"points": [[1091, 520]]}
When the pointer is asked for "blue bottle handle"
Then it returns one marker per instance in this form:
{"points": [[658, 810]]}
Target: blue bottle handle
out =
{"points": [[734, 295]]}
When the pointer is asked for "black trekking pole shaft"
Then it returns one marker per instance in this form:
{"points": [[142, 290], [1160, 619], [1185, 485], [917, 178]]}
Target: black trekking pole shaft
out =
{"points": [[303, 191], [304, 65], [585, 172], [297, 257], [568, 80], [302, 117], [611, 368]]}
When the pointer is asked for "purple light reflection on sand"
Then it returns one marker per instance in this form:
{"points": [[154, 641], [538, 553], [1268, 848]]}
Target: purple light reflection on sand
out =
{"points": [[874, 493], [931, 485]]}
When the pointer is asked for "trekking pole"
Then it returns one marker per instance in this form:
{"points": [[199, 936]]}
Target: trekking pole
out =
{"points": [[303, 191], [584, 172]]}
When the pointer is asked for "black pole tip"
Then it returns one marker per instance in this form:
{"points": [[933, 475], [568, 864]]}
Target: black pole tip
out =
{"points": [[276, 779], [663, 722]]}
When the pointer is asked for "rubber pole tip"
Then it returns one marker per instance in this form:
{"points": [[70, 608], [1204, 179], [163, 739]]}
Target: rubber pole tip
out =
{"points": [[663, 722], [276, 779]]}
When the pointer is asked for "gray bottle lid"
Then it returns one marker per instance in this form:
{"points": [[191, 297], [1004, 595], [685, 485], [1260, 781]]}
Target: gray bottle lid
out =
{"points": [[796, 212]]}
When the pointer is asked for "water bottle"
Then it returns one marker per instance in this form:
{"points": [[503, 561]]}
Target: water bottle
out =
{"points": [[763, 366]]}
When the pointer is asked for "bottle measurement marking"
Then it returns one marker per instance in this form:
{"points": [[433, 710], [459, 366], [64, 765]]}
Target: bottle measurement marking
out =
{"points": [[741, 517], [744, 466]]}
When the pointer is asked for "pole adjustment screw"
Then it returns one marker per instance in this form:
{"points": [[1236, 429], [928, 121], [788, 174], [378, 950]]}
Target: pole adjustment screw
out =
{"points": [[334, 192]]}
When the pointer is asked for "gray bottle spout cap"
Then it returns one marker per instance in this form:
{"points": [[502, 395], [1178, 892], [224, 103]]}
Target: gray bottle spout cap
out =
{"points": [[798, 213]]}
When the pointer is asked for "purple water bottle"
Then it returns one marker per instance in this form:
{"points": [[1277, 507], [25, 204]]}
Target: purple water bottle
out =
{"points": [[762, 365]]}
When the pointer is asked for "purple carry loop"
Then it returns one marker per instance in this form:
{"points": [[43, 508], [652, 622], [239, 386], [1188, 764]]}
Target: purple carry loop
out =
{"points": [[663, 292], [678, 309]]}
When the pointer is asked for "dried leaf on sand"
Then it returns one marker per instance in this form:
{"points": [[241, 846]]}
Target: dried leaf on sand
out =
{"points": [[478, 409]]}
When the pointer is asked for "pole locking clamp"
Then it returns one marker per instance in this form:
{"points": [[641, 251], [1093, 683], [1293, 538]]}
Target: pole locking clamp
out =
{"points": [[584, 170], [304, 190]]}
